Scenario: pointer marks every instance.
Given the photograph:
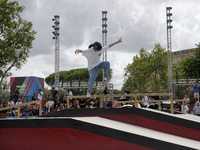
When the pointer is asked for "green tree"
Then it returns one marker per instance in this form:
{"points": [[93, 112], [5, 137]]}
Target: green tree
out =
{"points": [[189, 66], [16, 38], [148, 72], [73, 75]]}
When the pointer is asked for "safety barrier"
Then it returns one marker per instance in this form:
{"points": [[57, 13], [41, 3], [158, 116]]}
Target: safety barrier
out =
{"points": [[20, 105], [135, 96]]}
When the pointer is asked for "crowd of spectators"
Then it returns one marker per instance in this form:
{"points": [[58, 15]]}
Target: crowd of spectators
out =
{"points": [[57, 104]]}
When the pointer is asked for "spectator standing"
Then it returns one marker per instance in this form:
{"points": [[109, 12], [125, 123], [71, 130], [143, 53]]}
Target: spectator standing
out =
{"points": [[186, 100], [69, 93], [15, 95], [145, 104], [55, 94], [106, 92], [39, 94], [127, 91], [4, 103], [196, 91], [33, 97], [186, 109], [196, 109]]}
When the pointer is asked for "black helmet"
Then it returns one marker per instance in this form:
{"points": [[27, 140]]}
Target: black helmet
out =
{"points": [[97, 46]]}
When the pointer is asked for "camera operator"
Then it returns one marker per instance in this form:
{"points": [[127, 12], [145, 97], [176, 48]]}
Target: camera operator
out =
{"points": [[39, 94]]}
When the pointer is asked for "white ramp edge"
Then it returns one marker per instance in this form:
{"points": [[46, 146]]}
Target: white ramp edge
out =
{"points": [[140, 131], [189, 117]]}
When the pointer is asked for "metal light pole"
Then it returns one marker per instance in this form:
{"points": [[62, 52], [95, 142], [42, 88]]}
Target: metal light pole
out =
{"points": [[104, 36], [104, 33], [169, 47], [56, 38]]}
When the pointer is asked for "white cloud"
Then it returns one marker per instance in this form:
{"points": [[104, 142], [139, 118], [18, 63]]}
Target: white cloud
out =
{"points": [[140, 23]]}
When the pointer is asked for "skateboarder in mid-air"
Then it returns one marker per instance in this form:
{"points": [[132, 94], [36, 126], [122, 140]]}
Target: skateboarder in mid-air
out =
{"points": [[93, 55]]}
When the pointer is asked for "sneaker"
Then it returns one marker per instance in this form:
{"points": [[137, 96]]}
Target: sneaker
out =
{"points": [[105, 79], [88, 94]]}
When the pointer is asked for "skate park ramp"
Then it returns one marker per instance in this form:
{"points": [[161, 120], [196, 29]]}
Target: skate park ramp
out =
{"points": [[103, 129]]}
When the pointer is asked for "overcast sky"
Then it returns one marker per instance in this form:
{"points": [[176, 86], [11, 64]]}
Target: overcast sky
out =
{"points": [[140, 23]]}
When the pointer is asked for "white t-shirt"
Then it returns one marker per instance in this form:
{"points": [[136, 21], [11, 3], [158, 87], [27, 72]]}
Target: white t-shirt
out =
{"points": [[17, 103], [39, 97], [51, 103], [70, 93], [186, 99], [145, 98], [10, 103], [94, 58]]}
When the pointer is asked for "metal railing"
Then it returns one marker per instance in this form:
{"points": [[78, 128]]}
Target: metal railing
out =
{"points": [[135, 101], [20, 105]]}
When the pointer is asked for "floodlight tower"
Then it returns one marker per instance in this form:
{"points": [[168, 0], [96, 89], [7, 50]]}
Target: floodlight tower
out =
{"points": [[169, 47], [56, 38], [104, 33]]}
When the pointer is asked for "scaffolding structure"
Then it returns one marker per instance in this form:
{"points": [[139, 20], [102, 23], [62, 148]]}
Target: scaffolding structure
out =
{"points": [[56, 38], [104, 33], [169, 47]]}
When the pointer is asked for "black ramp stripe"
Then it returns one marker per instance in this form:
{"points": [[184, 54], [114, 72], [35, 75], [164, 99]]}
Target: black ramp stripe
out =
{"points": [[91, 128], [128, 137]]}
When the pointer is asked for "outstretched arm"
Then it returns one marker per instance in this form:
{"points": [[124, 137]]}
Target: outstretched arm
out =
{"points": [[78, 51], [119, 41]]}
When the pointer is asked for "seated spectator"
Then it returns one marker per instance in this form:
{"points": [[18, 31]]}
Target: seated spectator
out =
{"points": [[63, 103], [96, 104], [109, 104], [177, 106], [82, 103], [104, 104], [120, 105], [91, 104], [50, 104], [196, 109], [10, 103], [35, 110], [26, 111], [18, 102], [186, 99], [75, 104]]}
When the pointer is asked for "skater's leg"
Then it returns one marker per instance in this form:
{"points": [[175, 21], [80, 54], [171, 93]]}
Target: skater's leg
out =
{"points": [[93, 75], [105, 65]]}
